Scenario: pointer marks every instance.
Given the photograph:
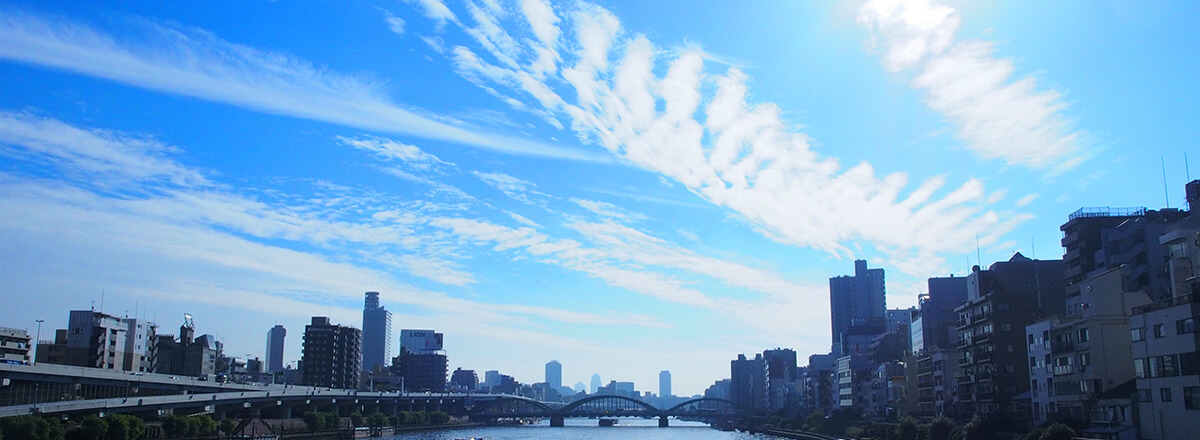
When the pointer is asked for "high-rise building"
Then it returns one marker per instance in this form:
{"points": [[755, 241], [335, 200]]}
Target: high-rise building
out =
{"points": [[275, 338], [554, 374], [14, 346], [664, 384], [464, 380], [1098, 239], [1001, 301], [1165, 338], [857, 305], [140, 348], [491, 378], [96, 340], [377, 333], [748, 382], [332, 355], [189, 355], [422, 362], [595, 386], [420, 341]]}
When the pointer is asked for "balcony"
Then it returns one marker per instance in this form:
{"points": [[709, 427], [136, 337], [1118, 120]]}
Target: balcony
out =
{"points": [[964, 361], [982, 338], [1060, 370]]}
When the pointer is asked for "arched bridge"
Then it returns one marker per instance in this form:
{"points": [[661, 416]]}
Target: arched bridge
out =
{"points": [[601, 406]]}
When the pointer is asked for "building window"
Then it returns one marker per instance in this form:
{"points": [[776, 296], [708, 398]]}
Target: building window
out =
{"points": [[1191, 398], [1033, 388], [1085, 359], [1032, 361], [1143, 395], [1165, 394], [1185, 326], [1140, 369], [1030, 339], [1138, 334], [1158, 331], [1189, 363], [1083, 335]]}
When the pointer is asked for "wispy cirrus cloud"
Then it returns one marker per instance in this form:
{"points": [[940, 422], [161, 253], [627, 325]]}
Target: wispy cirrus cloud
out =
{"points": [[699, 128], [192, 230], [998, 117], [196, 63]]}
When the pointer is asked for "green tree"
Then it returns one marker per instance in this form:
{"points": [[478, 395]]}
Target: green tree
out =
{"points": [[1057, 431], [906, 429], [204, 425], [125, 427], [332, 420], [978, 429], [228, 425], [377, 420], [314, 420], [356, 419], [941, 428], [391, 420], [92, 428], [32, 428], [814, 421], [439, 418]]}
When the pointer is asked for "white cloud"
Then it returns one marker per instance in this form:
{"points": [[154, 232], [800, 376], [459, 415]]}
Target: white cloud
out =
{"points": [[996, 116], [700, 129], [106, 158], [192, 231], [196, 63], [608, 210], [388, 149], [437, 11], [1027, 200], [394, 23]]}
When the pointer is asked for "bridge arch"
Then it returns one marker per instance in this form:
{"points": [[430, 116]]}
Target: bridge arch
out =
{"points": [[578, 403], [685, 403]]}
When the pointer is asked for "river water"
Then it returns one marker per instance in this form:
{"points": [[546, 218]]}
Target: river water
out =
{"points": [[587, 429]]}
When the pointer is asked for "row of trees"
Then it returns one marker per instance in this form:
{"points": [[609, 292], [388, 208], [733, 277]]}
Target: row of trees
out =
{"points": [[321, 421], [849, 425], [113, 427]]}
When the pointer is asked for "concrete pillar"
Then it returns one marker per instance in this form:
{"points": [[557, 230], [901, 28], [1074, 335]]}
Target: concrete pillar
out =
{"points": [[662, 422], [557, 421]]}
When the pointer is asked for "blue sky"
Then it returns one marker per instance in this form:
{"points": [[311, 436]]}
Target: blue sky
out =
{"points": [[623, 187]]}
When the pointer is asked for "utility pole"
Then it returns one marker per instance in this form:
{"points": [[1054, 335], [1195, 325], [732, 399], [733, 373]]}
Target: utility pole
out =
{"points": [[37, 341]]}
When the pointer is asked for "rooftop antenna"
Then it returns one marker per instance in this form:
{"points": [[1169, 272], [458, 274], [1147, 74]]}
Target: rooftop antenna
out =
{"points": [[977, 257], [1032, 247], [101, 300], [1187, 171], [1166, 195]]}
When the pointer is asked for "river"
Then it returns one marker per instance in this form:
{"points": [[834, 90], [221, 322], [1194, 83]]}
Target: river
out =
{"points": [[587, 429]]}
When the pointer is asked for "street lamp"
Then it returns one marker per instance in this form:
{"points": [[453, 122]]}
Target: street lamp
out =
{"points": [[37, 341]]}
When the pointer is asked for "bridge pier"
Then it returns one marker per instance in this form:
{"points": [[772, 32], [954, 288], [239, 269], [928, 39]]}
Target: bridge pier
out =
{"points": [[557, 421], [662, 422]]}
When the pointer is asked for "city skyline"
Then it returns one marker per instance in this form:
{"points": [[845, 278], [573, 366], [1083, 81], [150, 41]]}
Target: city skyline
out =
{"points": [[619, 189]]}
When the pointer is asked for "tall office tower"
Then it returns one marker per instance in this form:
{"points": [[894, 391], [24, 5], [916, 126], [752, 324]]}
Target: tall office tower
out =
{"points": [[332, 355], [748, 381], [664, 384], [595, 384], [377, 334], [856, 307], [275, 337], [554, 374]]}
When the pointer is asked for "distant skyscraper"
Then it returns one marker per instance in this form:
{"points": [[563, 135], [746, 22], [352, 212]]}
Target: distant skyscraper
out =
{"points": [[275, 337], [554, 374], [491, 378], [664, 384], [595, 384], [376, 334], [332, 355], [856, 306]]}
